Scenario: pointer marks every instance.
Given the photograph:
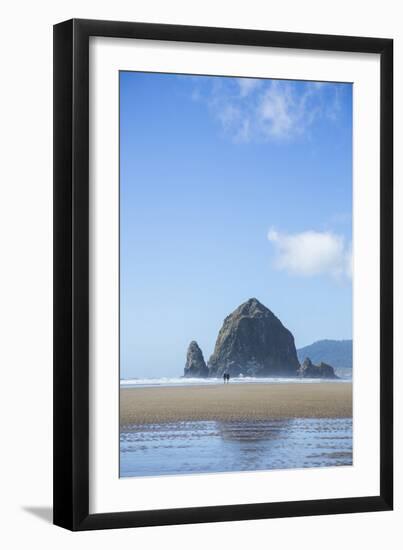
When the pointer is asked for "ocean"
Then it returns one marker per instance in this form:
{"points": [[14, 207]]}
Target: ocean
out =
{"points": [[181, 381]]}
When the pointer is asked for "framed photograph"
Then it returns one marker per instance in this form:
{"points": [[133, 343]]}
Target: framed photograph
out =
{"points": [[223, 324]]}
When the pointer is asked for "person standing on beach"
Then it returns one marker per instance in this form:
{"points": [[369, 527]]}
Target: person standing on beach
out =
{"points": [[228, 377], [225, 377]]}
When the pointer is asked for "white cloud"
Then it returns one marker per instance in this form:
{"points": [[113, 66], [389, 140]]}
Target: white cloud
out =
{"points": [[247, 86], [259, 110], [279, 112], [275, 112], [312, 253], [228, 114]]}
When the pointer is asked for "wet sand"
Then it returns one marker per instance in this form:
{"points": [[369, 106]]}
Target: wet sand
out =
{"points": [[235, 402]]}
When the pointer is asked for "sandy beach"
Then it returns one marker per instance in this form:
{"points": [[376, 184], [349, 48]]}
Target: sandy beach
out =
{"points": [[235, 402]]}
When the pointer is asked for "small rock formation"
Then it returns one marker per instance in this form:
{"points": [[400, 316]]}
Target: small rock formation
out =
{"points": [[338, 353], [195, 364], [253, 342], [309, 370]]}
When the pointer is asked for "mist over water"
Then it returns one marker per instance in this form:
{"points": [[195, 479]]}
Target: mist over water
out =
{"points": [[180, 381]]}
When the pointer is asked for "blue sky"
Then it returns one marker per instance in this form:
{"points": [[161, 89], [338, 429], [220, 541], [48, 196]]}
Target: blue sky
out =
{"points": [[231, 189]]}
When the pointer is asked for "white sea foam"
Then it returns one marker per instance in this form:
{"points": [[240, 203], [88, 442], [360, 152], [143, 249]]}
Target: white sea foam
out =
{"points": [[179, 381]]}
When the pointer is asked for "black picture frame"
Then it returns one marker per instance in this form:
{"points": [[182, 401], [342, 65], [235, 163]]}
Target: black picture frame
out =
{"points": [[71, 274]]}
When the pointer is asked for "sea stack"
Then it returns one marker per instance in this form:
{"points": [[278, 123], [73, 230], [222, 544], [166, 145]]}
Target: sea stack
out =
{"points": [[195, 365], [309, 370], [254, 342]]}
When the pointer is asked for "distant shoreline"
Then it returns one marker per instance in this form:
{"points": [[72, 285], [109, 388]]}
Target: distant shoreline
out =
{"points": [[235, 402]]}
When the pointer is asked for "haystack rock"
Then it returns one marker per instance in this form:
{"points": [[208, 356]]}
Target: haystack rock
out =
{"points": [[309, 370], [195, 364], [253, 342]]}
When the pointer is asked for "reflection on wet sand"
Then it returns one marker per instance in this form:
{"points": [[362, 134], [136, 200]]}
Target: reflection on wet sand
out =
{"points": [[252, 431], [209, 446]]}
